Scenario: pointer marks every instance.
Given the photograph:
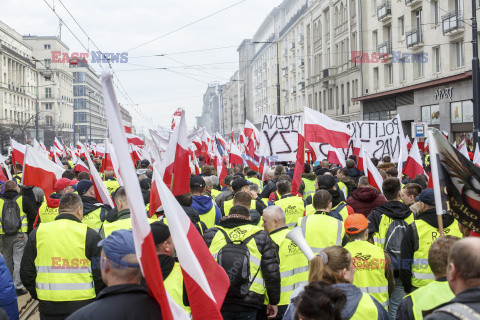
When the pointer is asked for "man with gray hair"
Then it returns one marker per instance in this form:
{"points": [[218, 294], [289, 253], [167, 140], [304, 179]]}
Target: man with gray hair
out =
{"points": [[293, 263], [270, 185]]}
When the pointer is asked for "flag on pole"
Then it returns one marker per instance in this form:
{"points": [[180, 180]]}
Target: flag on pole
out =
{"points": [[374, 177], [101, 193], [413, 166], [320, 128], [39, 171], [18, 152], [336, 156], [142, 233]]}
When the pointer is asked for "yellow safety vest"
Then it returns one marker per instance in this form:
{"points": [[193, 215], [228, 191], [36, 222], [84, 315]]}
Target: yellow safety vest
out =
{"points": [[385, 222], [121, 224], [112, 185], [294, 266], [430, 296], [227, 205], [70, 163], [64, 273], [239, 234], [46, 213], [309, 187], [23, 215], [174, 285], [426, 235], [294, 208], [209, 217], [92, 219], [215, 193], [309, 210], [255, 181], [321, 231], [18, 177], [343, 187], [366, 309], [369, 262]]}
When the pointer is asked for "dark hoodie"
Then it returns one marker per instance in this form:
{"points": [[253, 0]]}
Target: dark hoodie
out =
{"points": [[364, 199], [354, 174], [28, 207], [392, 209], [204, 204], [408, 244]]}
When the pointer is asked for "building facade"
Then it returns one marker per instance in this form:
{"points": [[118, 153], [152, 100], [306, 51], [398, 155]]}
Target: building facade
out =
{"points": [[231, 110], [18, 87], [89, 110], [425, 70], [55, 88], [210, 118]]}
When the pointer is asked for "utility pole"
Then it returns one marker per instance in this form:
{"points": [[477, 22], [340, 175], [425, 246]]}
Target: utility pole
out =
{"points": [[475, 77]]}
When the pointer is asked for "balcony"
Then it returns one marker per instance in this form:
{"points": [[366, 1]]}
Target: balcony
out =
{"points": [[384, 50], [301, 63], [414, 38], [384, 11], [411, 3], [301, 86], [293, 90], [300, 39], [452, 23]]}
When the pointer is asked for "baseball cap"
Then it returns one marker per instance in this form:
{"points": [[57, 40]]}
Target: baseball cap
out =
{"points": [[326, 182], [197, 182], [63, 183], [117, 245], [160, 232], [239, 183], [83, 186], [355, 223], [427, 196]]}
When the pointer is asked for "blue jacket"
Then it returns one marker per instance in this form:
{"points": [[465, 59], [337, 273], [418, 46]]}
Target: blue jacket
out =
{"points": [[204, 204], [8, 295]]}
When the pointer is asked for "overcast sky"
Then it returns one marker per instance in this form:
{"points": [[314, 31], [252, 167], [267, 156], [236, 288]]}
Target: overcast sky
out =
{"points": [[120, 25]]}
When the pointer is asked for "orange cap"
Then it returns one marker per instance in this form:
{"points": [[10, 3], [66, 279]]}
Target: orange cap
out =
{"points": [[355, 223]]}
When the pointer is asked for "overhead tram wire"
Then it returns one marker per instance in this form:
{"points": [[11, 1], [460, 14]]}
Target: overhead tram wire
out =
{"points": [[187, 25], [124, 94], [183, 52]]}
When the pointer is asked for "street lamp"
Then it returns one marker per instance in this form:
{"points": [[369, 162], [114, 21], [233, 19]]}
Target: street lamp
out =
{"points": [[278, 72]]}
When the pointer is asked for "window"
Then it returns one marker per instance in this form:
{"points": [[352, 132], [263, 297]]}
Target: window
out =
{"points": [[401, 27], [376, 80], [436, 14], [418, 60], [48, 78], [403, 66], [48, 121], [437, 60], [47, 63], [389, 73], [459, 54], [46, 46], [48, 106], [48, 92], [375, 40]]}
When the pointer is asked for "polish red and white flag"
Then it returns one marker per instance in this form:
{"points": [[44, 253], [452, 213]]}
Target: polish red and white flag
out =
{"points": [[133, 139], [235, 155], [374, 177], [413, 165], [463, 149], [142, 233], [2, 162], [80, 166], [360, 159], [336, 156], [320, 128], [18, 152], [300, 161], [101, 192], [39, 171]]}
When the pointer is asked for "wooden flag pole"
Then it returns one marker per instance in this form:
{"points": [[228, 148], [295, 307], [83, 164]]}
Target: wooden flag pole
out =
{"points": [[440, 225], [173, 179]]}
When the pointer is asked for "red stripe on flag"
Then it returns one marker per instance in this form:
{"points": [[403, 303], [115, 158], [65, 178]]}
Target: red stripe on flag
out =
{"points": [[317, 133], [37, 177]]}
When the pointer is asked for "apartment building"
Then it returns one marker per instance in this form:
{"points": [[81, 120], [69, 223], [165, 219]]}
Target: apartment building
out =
{"points": [[55, 88], [210, 118], [231, 110], [18, 86], [424, 72]]}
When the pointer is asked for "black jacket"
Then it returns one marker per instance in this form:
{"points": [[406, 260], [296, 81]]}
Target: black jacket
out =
{"points": [[337, 197], [269, 266], [125, 301], [408, 245], [469, 297], [268, 188], [354, 174], [28, 272], [319, 171], [91, 204], [392, 209], [28, 207]]}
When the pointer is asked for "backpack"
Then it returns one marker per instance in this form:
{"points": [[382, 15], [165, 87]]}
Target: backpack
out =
{"points": [[394, 237], [234, 257], [11, 221]]}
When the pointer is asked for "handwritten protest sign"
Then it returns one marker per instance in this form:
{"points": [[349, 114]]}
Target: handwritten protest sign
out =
{"points": [[279, 136]]}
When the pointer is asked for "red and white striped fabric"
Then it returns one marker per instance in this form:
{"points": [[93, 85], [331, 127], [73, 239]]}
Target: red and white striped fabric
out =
{"points": [[413, 166], [336, 156], [60, 147], [235, 155], [320, 128], [142, 233], [57, 160], [463, 149], [374, 177], [360, 159], [2, 162], [300, 161], [39, 171], [205, 280], [101, 193], [357, 145], [18, 152], [133, 139], [249, 130], [80, 166], [403, 156]]}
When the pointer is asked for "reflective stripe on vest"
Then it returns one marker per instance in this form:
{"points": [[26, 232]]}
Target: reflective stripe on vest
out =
{"points": [[294, 208], [294, 266], [430, 296], [92, 219], [209, 217], [239, 234], [174, 285], [322, 231], [369, 262], [309, 187], [366, 309], [426, 235], [385, 222], [63, 270], [46, 213], [23, 215], [227, 205]]}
